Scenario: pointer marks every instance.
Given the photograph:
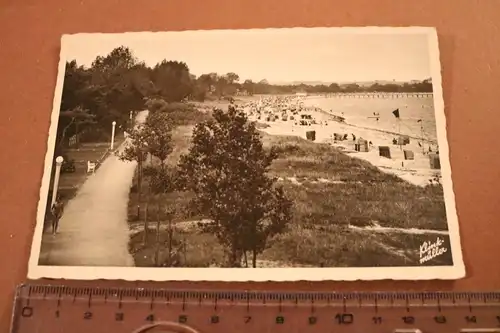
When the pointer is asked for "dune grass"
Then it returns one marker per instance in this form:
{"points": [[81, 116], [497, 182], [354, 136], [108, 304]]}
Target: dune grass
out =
{"points": [[362, 193]]}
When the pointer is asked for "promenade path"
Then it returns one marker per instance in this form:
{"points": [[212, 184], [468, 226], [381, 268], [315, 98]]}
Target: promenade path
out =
{"points": [[93, 230]]}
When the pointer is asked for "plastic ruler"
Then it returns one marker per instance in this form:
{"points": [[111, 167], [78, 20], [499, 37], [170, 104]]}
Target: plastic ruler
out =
{"points": [[53, 309]]}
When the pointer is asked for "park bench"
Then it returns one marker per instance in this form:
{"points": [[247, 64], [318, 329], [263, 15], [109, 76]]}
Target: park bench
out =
{"points": [[91, 166]]}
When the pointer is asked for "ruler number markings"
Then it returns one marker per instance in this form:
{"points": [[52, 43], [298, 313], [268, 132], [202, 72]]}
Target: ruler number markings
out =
{"points": [[344, 318], [87, 315], [410, 320], [183, 319], [29, 310], [440, 319], [341, 318]]}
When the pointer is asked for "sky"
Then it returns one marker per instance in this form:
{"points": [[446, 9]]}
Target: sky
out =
{"points": [[277, 55]]}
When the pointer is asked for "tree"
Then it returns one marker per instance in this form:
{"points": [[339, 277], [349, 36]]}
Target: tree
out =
{"points": [[76, 86], [232, 78], [351, 87], [199, 93], [221, 85], [158, 140], [153, 137], [231, 83], [262, 87], [141, 80], [334, 87], [172, 80], [157, 135], [226, 168], [118, 83], [72, 120], [136, 149], [248, 85], [119, 58], [208, 81], [156, 105]]}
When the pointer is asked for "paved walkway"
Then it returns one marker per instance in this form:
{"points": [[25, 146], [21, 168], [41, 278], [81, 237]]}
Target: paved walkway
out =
{"points": [[93, 230]]}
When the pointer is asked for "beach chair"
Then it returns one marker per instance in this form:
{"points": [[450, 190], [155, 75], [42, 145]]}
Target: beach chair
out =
{"points": [[409, 155], [91, 167], [363, 145], [435, 163], [384, 151], [311, 135]]}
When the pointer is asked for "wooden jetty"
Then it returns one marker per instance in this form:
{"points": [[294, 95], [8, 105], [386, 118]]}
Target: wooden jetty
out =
{"points": [[378, 95]]}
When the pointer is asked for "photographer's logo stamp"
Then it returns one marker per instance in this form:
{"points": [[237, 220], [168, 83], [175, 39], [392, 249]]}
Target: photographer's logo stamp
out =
{"points": [[430, 250]]}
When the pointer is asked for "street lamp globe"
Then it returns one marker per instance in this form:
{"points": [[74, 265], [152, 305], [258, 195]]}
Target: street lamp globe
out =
{"points": [[114, 123], [59, 159]]}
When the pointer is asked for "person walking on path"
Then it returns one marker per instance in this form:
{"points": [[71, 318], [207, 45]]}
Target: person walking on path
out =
{"points": [[57, 211]]}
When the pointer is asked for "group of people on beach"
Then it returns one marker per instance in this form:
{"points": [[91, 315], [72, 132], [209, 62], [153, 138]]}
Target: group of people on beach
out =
{"points": [[274, 106], [285, 108]]}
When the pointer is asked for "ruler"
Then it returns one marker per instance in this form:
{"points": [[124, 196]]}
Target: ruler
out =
{"points": [[52, 309]]}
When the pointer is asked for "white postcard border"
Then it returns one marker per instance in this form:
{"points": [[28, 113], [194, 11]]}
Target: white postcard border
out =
{"points": [[36, 271]]}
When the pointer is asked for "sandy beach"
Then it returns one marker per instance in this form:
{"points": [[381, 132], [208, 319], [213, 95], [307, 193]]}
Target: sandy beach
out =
{"points": [[417, 171]]}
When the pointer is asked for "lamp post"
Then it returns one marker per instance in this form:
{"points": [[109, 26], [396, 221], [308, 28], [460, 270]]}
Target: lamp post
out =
{"points": [[113, 134], [59, 161]]}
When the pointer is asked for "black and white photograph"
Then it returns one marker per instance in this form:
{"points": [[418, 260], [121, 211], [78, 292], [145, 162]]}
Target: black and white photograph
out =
{"points": [[248, 155]]}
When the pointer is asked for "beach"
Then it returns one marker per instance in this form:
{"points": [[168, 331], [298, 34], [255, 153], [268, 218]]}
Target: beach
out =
{"points": [[366, 118]]}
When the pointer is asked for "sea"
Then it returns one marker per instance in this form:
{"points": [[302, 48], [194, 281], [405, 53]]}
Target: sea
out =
{"points": [[377, 113]]}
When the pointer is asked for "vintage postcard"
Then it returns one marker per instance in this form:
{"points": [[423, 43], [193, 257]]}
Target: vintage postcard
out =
{"points": [[248, 155]]}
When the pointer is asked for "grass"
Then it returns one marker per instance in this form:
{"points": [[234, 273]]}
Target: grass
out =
{"points": [[319, 233], [337, 246], [188, 115], [190, 249], [304, 159], [379, 197]]}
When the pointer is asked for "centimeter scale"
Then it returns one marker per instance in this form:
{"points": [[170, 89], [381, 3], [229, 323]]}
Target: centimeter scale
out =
{"points": [[46, 308]]}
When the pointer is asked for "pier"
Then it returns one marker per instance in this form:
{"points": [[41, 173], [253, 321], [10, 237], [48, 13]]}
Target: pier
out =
{"points": [[378, 95]]}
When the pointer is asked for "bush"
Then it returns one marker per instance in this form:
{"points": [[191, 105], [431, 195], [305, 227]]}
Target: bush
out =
{"points": [[188, 116], [179, 113]]}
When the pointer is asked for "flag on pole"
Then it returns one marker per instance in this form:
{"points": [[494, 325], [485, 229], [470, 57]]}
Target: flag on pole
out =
{"points": [[396, 113]]}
